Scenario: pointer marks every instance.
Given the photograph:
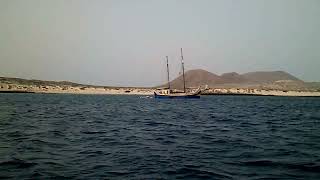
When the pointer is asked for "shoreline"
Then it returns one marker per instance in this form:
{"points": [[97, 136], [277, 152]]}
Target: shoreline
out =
{"points": [[149, 92]]}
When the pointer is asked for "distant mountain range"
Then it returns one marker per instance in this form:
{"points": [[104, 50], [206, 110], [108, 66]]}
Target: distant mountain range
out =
{"points": [[198, 77], [272, 79]]}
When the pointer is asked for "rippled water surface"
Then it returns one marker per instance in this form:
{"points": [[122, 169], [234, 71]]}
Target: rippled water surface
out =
{"points": [[129, 137]]}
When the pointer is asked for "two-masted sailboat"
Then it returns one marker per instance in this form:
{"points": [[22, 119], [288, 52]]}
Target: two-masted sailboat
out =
{"points": [[168, 93]]}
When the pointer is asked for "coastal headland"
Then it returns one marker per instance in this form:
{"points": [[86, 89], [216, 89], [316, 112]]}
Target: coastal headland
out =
{"points": [[274, 83]]}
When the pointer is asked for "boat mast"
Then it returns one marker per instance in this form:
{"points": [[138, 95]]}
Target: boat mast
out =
{"points": [[168, 72], [184, 81]]}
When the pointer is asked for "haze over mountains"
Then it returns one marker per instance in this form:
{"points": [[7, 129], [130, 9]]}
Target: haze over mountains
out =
{"points": [[199, 77]]}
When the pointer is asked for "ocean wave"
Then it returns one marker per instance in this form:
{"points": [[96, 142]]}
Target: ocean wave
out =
{"points": [[18, 163]]}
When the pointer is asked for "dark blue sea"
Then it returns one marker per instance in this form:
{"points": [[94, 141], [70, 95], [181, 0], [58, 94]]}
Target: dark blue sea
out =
{"points": [[48, 136]]}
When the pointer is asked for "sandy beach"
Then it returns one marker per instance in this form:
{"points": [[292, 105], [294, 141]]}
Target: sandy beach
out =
{"points": [[263, 92], [145, 91], [75, 90]]}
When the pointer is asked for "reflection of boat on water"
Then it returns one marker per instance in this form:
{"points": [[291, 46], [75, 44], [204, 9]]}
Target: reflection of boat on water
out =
{"points": [[170, 94]]}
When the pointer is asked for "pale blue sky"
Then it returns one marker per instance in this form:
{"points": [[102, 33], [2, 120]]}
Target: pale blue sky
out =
{"points": [[124, 42]]}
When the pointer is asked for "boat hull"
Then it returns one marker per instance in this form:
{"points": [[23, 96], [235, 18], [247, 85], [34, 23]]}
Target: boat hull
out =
{"points": [[160, 96]]}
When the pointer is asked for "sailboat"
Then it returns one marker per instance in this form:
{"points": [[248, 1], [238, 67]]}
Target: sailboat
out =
{"points": [[168, 93]]}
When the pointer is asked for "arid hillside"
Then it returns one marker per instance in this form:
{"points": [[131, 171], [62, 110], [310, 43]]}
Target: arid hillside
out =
{"points": [[260, 79]]}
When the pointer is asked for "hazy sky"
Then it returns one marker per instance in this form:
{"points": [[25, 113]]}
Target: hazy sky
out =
{"points": [[124, 42]]}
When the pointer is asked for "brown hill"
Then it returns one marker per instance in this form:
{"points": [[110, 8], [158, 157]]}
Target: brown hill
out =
{"points": [[286, 85], [268, 76], [233, 78], [199, 77], [195, 78]]}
